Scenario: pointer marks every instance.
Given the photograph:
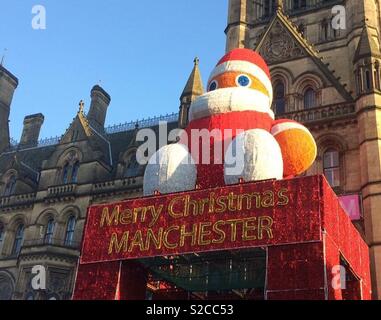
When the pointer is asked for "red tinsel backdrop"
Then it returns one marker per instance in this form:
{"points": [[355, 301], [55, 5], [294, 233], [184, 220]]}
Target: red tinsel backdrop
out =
{"points": [[311, 236]]}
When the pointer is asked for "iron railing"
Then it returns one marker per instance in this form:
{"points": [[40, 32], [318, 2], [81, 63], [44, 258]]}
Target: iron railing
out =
{"points": [[144, 123], [122, 127]]}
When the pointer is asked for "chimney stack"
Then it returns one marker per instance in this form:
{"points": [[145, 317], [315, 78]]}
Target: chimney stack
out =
{"points": [[100, 100], [8, 85], [31, 130]]}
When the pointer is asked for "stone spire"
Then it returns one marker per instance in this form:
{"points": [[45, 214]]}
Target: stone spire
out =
{"points": [[194, 86], [193, 89], [367, 46]]}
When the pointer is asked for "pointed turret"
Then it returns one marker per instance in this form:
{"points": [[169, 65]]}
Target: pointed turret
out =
{"points": [[194, 86], [367, 46], [367, 61], [193, 89]]}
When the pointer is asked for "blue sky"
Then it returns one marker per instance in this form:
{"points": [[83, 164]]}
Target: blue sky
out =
{"points": [[141, 51]]}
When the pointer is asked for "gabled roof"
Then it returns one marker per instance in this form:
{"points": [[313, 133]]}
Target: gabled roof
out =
{"points": [[283, 42], [79, 124]]}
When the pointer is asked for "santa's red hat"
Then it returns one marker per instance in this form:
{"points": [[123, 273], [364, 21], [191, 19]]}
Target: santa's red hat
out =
{"points": [[244, 61]]}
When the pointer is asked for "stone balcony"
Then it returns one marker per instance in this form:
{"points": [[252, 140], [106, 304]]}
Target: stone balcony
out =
{"points": [[129, 185], [67, 191], [19, 201], [321, 114]]}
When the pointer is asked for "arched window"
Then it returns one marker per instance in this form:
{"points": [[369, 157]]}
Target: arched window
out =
{"points": [[332, 167], [19, 238], [280, 97], [49, 231], [70, 173], [368, 81], [74, 174], [70, 228], [377, 75], [324, 30], [65, 174], [309, 98], [133, 167], [10, 186], [359, 82]]}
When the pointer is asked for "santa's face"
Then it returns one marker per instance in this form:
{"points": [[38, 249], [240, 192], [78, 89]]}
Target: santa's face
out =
{"points": [[235, 79]]}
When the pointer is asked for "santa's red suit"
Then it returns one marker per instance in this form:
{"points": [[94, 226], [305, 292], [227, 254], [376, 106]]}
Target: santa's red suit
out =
{"points": [[232, 134]]}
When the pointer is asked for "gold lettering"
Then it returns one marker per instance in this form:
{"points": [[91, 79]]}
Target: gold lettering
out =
{"points": [[137, 241], [126, 217], [204, 233], [188, 204], [184, 234], [268, 200], [257, 197], [221, 204], [249, 201], [283, 197], [202, 204], [265, 224], [232, 197], [166, 242], [171, 210], [118, 246], [110, 220], [155, 214], [157, 240], [211, 202], [246, 228], [219, 232], [234, 223]]}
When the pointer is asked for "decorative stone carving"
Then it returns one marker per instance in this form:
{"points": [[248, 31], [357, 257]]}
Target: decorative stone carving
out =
{"points": [[279, 46]]}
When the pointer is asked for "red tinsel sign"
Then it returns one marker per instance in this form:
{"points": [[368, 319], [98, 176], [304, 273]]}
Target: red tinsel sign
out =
{"points": [[240, 216]]}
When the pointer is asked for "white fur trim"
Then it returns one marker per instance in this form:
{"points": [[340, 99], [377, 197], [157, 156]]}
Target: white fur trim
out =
{"points": [[284, 126], [229, 100], [247, 67], [253, 155]]}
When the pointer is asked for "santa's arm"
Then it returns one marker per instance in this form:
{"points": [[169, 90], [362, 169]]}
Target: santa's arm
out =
{"points": [[298, 146]]}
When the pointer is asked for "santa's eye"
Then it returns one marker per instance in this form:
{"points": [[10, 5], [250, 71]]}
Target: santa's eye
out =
{"points": [[213, 85], [243, 81]]}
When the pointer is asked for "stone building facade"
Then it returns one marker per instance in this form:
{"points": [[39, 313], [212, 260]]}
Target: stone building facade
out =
{"points": [[326, 78], [46, 187]]}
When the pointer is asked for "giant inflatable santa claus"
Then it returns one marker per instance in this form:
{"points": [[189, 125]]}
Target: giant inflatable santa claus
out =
{"points": [[232, 134]]}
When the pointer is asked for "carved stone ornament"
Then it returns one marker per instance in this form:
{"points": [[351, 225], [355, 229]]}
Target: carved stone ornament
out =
{"points": [[279, 45]]}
